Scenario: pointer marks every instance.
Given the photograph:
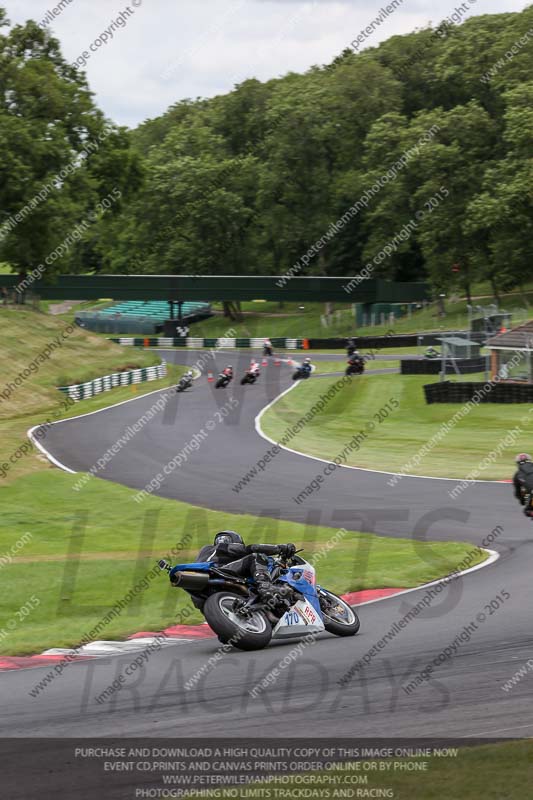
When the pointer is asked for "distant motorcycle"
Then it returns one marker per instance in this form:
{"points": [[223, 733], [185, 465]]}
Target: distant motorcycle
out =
{"points": [[431, 353], [249, 377], [356, 366], [184, 383], [302, 372], [267, 350], [223, 380]]}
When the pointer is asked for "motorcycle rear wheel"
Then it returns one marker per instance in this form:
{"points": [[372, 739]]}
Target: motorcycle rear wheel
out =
{"points": [[244, 633], [339, 617]]}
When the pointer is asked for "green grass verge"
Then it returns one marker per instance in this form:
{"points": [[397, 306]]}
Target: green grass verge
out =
{"points": [[395, 440], [89, 547], [489, 772], [24, 335]]}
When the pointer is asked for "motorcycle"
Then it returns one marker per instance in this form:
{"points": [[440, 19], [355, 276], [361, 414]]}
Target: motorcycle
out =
{"points": [[355, 367], [184, 383], [301, 373], [431, 353], [249, 377], [267, 350], [223, 380], [234, 611]]}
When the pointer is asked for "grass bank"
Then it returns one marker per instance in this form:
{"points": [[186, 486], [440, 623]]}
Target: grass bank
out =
{"points": [[83, 550], [28, 390], [405, 427]]}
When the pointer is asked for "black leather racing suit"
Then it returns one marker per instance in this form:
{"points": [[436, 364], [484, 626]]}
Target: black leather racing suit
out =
{"points": [[243, 560], [523, 486]]}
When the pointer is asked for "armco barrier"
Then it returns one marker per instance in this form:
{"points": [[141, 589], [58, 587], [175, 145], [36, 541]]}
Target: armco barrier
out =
{"points": [[80, 391], [426, 366], [216, 344], [459, 392]]}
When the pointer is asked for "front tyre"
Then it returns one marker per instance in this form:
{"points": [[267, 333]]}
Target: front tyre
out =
{"points": [[339, 617], [246, 633]]}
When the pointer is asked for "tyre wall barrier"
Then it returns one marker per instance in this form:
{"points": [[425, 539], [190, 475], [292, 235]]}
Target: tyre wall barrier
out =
{"points": [[426, 366], [392, 340], [463, 392]]}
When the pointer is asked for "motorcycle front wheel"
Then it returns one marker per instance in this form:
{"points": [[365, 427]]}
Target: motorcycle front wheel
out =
{"points": [[339, 617], [245, 633]]}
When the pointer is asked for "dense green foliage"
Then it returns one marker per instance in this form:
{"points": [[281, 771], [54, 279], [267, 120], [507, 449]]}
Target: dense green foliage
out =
{"points": [[249, 181], [59, 158]]}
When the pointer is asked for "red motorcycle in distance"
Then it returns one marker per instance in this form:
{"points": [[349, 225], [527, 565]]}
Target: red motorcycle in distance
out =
{"points": [[356, 365]]}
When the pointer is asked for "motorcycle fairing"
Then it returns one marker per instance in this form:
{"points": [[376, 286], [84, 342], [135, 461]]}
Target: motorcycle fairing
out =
{"points": [[302, 578], [299, 620]]}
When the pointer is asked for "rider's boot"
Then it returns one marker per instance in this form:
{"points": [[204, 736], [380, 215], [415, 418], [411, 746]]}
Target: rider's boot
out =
{"points": [[263, 584]]}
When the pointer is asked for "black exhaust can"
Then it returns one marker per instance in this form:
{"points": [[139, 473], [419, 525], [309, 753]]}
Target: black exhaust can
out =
{"points": [[191, 581]]}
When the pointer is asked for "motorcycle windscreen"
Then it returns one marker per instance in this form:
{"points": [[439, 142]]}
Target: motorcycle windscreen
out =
{"points": [[303, 579]]}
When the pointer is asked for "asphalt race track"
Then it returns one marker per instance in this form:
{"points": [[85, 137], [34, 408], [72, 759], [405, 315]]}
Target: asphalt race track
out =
{"points": [[464, 698]]}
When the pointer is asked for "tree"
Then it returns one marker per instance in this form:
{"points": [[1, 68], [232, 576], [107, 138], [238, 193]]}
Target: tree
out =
{"points": [[58, 155]]}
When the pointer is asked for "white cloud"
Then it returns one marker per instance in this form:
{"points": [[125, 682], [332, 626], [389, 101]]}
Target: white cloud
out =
{"points": [[169, 50]]}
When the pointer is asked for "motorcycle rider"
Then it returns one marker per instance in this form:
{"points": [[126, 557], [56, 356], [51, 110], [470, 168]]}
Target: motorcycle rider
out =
{"points": [[253, 369], [267, 347], [350, 346], [185, 380], [306, 366], [355, 358], [523, 482], [229, 551], [227, 372]]}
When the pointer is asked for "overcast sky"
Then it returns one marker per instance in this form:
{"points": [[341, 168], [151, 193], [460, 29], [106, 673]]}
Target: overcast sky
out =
{"points": [[167, 50]]}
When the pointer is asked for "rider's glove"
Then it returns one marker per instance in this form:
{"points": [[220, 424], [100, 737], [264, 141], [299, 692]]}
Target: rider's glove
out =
{"points": [[287, 550]]}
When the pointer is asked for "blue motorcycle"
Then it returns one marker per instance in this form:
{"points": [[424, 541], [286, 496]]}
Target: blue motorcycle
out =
{"points": [[235, 612]]}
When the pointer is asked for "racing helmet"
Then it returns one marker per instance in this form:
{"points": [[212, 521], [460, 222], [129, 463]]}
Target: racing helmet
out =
{"points": [[307, 360], [522, 458], [229, 537]]}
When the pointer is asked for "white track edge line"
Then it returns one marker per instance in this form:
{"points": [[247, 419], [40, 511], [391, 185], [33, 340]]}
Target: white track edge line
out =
{"points": [[261, 433], [493, 557]]}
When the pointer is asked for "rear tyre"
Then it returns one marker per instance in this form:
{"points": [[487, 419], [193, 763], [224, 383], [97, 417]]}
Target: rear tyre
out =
{"points": [[339, 617], [245, 633]]}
